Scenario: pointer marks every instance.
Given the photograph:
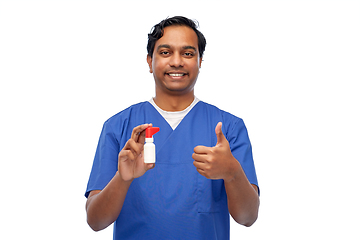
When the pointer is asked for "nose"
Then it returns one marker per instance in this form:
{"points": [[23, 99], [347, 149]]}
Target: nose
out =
{"points": [[176, 60]]}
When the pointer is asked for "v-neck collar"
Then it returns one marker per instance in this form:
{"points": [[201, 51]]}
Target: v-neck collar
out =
{"points": [[167, 123]]}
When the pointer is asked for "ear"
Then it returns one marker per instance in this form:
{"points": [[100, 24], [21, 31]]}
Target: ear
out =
{"points": [[149, 61], [200, 62]]}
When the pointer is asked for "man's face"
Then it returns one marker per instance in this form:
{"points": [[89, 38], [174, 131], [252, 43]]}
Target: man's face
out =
{"points": [[175, 62]]}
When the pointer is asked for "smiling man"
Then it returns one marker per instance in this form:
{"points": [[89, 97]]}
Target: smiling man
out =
{"points": [[204, 168], [175, 64]]}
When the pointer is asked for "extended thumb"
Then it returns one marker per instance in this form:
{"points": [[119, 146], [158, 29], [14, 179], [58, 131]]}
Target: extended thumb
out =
{"points": [[219, 134]]}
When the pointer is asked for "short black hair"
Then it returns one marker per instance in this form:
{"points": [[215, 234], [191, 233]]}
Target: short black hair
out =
{"points": [[158, 31]]}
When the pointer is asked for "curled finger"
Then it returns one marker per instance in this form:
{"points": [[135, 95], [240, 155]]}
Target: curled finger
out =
{"points": [[150, 166], [138, 130], [125, 155]]}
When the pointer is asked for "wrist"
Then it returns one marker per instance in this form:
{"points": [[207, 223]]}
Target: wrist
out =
{"points": [[121, 179], [235, 171]]}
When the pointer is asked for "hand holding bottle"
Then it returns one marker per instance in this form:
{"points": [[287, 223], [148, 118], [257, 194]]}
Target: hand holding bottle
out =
{"points": [[131, 158]]}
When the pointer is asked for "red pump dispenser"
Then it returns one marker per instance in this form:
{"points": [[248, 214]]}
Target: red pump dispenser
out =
{"points": [[150, 131]]}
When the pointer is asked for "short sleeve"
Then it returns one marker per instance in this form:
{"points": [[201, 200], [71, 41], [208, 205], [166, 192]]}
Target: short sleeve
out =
{"points": [[241, 149], [105, 161]]}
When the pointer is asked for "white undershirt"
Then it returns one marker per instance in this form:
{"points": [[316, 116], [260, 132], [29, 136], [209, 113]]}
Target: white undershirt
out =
{"points": [[174, 118]]}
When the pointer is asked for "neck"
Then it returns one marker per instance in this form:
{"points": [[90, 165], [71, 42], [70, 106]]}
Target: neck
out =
{"points": [[173, 103]]}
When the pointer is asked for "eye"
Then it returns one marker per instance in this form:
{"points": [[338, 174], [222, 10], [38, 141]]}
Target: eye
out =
{"points": [[164, 53], [189, 54]]}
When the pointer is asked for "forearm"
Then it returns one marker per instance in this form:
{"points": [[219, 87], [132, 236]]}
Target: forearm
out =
{"points": [[243, 199], [103, 207]]}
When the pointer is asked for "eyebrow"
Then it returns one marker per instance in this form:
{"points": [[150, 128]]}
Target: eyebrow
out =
{"points": [[168, 46], [189, 47], [163, 46]]}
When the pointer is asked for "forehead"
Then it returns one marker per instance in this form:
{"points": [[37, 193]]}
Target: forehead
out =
{"points": [[178, 36]]}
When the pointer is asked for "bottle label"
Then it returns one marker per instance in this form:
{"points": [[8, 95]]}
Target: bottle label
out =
{"points": [[149, 153]]}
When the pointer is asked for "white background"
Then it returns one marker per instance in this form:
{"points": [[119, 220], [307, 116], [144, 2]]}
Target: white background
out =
{"points": [[290, 69]]}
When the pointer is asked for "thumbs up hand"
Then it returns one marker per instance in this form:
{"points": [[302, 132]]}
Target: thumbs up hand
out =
{"points": [[216, 162]]}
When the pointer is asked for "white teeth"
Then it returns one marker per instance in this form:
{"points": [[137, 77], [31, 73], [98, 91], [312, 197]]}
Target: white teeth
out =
{"points": [[176, 74]]}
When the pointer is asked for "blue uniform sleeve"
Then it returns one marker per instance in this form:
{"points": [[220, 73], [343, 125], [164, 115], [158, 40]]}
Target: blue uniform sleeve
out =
{"points": [[241, 149], [106, 160]]}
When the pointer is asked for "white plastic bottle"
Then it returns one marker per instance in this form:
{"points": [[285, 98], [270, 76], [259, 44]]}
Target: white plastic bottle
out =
{"points": [[149, 147]]}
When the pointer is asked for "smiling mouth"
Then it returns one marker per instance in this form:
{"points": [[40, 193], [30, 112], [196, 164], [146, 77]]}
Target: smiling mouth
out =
{"points": [[176, 74]]}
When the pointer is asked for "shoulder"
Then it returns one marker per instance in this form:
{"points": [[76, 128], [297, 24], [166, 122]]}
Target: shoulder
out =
{"points": [[232, 126], [227, 118], [118, 123], [125, 114]]}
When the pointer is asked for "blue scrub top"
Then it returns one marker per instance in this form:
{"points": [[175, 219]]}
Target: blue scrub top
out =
{"points": [[172, 201]]}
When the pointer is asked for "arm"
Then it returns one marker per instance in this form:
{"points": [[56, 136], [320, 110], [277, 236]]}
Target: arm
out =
{"points": [[219, 163], [103, 207], [243, 198]]}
